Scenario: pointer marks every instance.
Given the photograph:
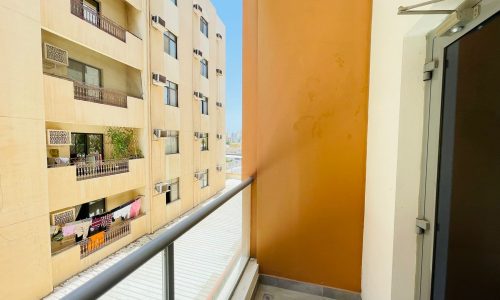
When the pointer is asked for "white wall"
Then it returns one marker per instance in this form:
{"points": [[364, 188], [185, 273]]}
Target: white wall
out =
{"points": [[395, 120]]}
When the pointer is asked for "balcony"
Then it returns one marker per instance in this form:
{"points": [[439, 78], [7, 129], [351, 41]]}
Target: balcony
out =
{"points": [[80, 182], [96, 19], [78, 257], [68, 101], [71, 20]]}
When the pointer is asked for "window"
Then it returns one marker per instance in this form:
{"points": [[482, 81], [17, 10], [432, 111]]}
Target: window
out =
{"points": [[204, 105], [172, 143], [204, 26], [90, 209], [170, 94], [173, 194], [81, 72], [204, 178], [204, 68], [204, 141], [84, 144], [170, 44], [174, 2]]}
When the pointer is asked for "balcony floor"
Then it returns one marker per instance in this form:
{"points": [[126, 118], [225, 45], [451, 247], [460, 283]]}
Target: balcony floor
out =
{"points": [[267, 292], [201, 258]]}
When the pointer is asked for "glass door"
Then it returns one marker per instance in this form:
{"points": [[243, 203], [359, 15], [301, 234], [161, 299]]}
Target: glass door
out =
{"points": [[466, 245]]}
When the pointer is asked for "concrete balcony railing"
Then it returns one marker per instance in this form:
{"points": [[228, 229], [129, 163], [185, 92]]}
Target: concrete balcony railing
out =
{"points": [[70, 20], [79, 183], [67, 101]]}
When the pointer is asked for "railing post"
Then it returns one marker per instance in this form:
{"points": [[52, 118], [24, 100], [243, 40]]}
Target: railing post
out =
{"points": [[168, 273]]}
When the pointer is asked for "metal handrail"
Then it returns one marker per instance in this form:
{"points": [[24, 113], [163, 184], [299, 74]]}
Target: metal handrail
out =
{"points": [[100, 284]]}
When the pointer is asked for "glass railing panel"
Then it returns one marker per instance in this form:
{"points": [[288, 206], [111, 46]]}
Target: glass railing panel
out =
{"points": [[147, 282], [209, 257]]}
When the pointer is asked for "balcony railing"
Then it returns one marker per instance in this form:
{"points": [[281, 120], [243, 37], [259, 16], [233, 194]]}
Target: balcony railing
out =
{"points": [[88, 169], [93, 17], [193, 265], [100, 95], [90, 246]]}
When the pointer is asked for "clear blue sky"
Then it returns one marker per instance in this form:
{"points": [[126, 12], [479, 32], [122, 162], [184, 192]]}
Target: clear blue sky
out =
{"points": [[230, 11]]}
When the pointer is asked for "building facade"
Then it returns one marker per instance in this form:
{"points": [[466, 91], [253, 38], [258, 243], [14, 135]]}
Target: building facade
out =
{"points": [[119, 131]]}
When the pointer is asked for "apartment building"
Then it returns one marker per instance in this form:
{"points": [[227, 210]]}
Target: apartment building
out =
{"points": [[112, 121]]}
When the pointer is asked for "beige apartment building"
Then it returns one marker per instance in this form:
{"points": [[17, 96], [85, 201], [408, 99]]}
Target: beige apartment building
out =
{"points": [[112, 120]]}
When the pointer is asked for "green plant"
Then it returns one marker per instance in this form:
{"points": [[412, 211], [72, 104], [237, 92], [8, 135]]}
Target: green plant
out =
{"points": [[124, 143]]}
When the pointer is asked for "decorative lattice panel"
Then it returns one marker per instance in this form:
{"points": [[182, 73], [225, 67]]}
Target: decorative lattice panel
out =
{"points": [[55, 54], [58, 137], [63, 217]]}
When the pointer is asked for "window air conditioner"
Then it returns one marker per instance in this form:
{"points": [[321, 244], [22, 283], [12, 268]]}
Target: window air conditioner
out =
{"points": [[158, 23], [218, 104], [219, 72], [197, 175], [198, 95], [159, 133], [55, 55], [162, 187], [58, 137], [197, 9], [198, 54], [219, 36], [219, 136], [159, 79], [219, 168]]}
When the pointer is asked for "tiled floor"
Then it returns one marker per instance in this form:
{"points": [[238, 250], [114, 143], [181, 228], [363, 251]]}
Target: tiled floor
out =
{"points": [[267, 292], [202, 257]]}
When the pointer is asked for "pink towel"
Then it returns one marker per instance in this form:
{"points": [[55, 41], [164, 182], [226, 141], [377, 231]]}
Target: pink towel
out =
{"points": [[68, 230], [135, 208]]}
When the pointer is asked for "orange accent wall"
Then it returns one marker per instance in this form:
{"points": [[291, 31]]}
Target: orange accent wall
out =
{"points": [[305, 99]]}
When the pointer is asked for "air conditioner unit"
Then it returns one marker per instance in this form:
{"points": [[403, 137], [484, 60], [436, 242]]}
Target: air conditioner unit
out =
{"points": [[198, 95], [63, 217], [197, 135], [197, 9], [219, 168], [197, 53], [162, 187], [158, 23], [219, 136], [198, 175], [56, 55], [159, 79], [219, 72], [58, 137], [218, 104], [159, 133], [219, 36]]}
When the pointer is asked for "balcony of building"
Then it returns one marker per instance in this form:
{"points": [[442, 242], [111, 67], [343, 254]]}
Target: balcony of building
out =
{"points": [[84, 234], [85, 87], [83, 166], [90, 23]]}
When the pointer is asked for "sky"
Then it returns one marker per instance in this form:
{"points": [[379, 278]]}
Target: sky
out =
{"points": [[230, 11]]}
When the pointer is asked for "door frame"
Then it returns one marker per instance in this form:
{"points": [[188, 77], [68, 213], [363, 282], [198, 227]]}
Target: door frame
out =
{"points": [[436, 45]]}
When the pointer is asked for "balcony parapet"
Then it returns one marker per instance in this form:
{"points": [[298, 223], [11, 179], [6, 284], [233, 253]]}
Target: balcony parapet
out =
{"points": [[118, 109]]}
